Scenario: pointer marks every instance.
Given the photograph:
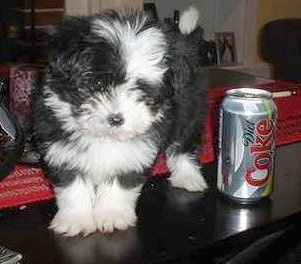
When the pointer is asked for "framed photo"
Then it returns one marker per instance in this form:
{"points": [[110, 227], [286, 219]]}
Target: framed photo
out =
{"points": [[151, 11], [226, 48]]}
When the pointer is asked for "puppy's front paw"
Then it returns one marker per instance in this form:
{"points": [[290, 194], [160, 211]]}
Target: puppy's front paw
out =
{"points": [[73, 223], [194, 182], [185, 173], [115, 218]]}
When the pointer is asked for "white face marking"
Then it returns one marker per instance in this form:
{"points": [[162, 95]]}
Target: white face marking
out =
{"points": [[143, 52], [138, 118], [100, 150], [61, 109], [95, 113]]}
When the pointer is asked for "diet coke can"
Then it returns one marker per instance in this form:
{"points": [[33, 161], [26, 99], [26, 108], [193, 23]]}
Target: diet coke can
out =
{"points": [[246, 144]]}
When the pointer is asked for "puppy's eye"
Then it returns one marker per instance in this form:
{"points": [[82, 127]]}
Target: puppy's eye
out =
{"points": [[150, 101], [98, 83], [103, 89], [99, 86]]}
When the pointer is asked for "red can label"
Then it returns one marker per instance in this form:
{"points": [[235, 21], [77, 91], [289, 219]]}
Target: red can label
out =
{"points": [[261, 152]]}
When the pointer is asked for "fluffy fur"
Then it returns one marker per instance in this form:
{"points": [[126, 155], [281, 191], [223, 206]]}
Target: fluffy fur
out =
{"points": [[118, 91]]}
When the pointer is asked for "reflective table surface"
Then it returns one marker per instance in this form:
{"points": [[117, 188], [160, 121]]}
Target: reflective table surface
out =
{"points": [[174, 226]]}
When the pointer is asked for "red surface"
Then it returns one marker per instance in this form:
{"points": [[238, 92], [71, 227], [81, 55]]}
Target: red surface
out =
{"points": [[23, 186], [27, 185]]}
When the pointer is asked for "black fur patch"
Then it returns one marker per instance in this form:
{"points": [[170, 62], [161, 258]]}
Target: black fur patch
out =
{"points": [[82, 63]]}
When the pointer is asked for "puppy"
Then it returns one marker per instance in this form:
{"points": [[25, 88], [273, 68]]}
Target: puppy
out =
{"points": [[118, 91]]}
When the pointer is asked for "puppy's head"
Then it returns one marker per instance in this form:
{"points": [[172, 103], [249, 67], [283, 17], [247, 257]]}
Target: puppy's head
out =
{"points": [[106, 75]]}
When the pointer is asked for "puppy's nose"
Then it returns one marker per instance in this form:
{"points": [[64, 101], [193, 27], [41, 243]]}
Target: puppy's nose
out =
{"points": [[116, 119]]}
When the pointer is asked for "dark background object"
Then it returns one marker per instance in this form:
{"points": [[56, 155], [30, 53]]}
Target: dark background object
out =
{"points": [[10, 133], [176, 20], [4, 91], [10, 30], [25, 26], [10, 141], [280, 45], [151, 10]]}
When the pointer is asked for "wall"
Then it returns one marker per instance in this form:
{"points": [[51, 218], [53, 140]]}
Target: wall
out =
{"points": [[243, 17], [269, 10], [207, 10], [88, 7], [78, 7], [217, 16], [120, 4]]}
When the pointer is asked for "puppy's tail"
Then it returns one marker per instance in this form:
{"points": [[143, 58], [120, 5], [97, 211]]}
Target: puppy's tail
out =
{"points": [[189, 20]]}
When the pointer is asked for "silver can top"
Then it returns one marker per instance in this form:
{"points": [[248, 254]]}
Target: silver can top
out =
{"points": [[249, 93]]}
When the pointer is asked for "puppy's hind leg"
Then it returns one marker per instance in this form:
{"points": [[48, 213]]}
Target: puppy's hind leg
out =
{"points": [[185, 170]]}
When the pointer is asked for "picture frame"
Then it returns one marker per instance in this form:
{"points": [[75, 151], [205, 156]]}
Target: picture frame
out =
{"points": [[151, 11], [225, 48]]}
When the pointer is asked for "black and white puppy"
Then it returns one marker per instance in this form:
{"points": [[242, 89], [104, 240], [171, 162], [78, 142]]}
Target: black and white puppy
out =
{"points": [[118, 91]]}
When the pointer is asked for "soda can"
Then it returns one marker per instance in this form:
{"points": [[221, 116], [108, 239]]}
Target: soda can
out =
{"points": [[247, 131]]}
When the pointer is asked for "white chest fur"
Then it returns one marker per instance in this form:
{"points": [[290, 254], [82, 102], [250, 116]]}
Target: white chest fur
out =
{"points": [[102, 158]]}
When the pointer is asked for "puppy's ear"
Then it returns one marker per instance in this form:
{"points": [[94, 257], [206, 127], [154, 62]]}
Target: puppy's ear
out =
{"points": [[69, 34], [67, 41]]}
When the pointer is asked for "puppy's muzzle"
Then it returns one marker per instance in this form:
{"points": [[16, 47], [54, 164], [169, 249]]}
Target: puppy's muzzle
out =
{"points": [[116, 119]]}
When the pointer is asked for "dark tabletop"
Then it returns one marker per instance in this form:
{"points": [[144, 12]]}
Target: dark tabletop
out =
{"points": [[174, 225]]}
